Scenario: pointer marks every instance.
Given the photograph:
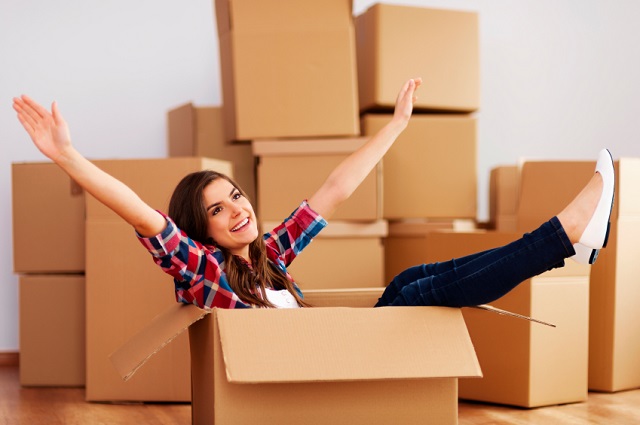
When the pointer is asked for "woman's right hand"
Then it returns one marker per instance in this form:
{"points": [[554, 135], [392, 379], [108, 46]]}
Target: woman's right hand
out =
{"points": [[48, 130]]}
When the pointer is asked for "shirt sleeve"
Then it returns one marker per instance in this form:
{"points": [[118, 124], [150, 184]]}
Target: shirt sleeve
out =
{"points": [[197, 270], [288, 239]]}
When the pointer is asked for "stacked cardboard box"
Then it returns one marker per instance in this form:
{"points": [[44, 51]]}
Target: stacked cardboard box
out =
{"points": [[49, 256], [524, 363], [430, 172]]}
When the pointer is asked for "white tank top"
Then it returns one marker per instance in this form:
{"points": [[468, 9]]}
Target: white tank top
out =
{"points": [[281, 298]]}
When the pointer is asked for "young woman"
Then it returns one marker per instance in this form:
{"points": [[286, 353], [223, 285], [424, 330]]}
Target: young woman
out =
{"points": [[210, 240]]}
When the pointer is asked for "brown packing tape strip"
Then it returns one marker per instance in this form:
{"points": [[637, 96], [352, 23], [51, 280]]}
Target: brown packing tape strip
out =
{"points": [[487, 307]]}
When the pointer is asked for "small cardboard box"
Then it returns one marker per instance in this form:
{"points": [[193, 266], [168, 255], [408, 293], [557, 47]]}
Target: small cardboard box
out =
{"points": [[288, 68], [52, 330], [344, 255], [430, 171], [126, 289], [342, 365], [48, 211], [199, 131], [441, 46], [614, 346], [503, 197], [524, 363], [291, 171]]}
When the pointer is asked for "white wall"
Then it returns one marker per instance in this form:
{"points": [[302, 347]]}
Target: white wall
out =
{"points": [[559, 81]]}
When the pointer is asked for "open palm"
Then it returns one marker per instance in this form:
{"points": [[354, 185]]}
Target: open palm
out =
{"points": [[48, 130]]}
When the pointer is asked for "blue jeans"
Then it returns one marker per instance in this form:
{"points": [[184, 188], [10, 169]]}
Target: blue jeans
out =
{"points": [[483, 277]]}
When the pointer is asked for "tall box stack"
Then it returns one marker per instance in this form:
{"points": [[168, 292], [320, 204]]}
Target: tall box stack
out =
{"points": [[430, 172], [49, 257], [289, 84]]}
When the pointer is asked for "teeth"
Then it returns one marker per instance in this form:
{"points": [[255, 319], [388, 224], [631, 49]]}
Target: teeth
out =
{"points": [[241, 224]]}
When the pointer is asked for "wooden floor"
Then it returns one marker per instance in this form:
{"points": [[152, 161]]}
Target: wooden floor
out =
{"points": [[58, 406]]}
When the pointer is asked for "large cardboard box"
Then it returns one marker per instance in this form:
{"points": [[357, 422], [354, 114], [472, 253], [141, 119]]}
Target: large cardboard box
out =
{"points": [[52, 330], [288, 68], [48, 213], [291, 171], [524, 363], [343, 255], [430, 171], [343, 365], [504, 184], [395, 43], [126, 289], [614, 346]]}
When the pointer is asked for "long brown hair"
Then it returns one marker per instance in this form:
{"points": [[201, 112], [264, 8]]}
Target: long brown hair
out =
{"points": [[187, 210]]}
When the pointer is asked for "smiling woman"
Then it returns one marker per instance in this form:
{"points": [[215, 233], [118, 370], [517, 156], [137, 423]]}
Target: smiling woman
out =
{"points": [[210, 240]]}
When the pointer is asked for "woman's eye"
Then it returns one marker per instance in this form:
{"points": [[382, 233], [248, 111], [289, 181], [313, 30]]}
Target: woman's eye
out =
{"points": [[236, 195], [216, 210]]}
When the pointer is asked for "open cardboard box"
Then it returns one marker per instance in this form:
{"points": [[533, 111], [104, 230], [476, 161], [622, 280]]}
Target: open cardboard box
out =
{"points": [[323, 365]]}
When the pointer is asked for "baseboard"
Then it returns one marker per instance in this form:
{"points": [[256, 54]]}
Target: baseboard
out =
{"points": [[9, 359]]}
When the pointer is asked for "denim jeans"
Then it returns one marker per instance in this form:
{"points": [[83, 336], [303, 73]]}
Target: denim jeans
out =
{"points": [[483, 277]]}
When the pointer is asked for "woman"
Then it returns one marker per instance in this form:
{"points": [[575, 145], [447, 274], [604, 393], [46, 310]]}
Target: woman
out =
{"points": [[210, 243]]}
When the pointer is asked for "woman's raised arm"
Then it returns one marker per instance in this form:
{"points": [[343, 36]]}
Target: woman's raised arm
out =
{"points": [[50, 134], [348, 175]]}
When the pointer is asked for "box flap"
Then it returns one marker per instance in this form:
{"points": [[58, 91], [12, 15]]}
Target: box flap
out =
{"points": [[306, 147], [344, 344], [163, 329], [343, 297]]}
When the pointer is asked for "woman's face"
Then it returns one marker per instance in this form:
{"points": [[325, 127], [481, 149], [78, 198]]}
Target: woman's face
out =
{"points": [[232, 222]]}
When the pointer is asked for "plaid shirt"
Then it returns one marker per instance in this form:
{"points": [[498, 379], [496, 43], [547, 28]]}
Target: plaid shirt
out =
{"points": [[198, 270]]}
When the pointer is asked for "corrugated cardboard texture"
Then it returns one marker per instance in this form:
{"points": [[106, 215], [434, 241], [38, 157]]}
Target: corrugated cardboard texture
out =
{"points": [[52, 330], [288, 68], [300, 168], [441, 46], [430, 171], [61, 230], [199, 131], [350, 402]]}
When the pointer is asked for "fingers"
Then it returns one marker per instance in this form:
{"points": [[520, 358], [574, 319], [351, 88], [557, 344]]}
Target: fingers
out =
{"points": [[37, 108], [27, 111], [57, 116]]}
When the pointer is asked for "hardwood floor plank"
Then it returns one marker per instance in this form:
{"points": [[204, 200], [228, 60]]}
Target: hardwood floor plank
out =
{"points": [[67, 406]]}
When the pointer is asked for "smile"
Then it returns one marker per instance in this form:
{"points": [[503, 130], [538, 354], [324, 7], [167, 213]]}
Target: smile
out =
{"points": [[240, 225]]}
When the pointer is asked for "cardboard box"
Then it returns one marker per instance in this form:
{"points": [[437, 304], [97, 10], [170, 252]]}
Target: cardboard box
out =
{"points": [[199, 131], [614, 347], [430, 171], [52, 330], [354, 297], [343, 255], [504, 182], [288, 68], [48, 212], [547, 187], [126, 289], [291, 171], [337, 369], [524, 363], [441, 46]]}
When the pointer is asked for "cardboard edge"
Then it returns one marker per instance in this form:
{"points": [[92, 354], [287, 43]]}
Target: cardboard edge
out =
{"points": [[162, 330]]}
